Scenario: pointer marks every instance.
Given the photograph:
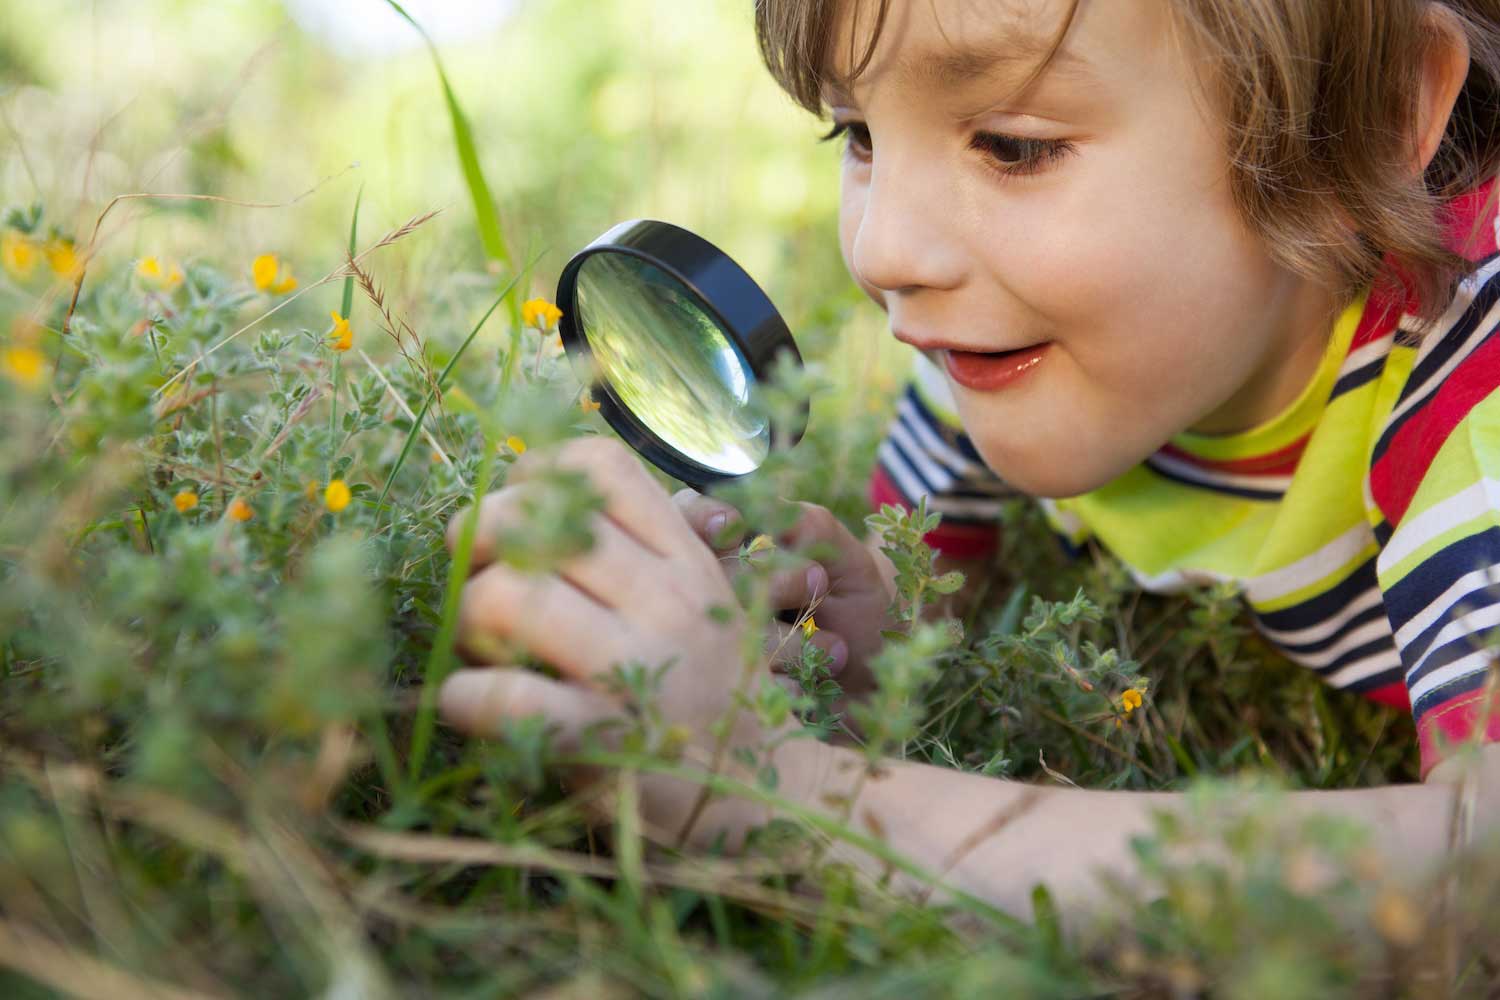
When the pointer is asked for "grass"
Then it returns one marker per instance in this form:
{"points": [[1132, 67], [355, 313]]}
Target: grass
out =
{"points": [[219, 773]]}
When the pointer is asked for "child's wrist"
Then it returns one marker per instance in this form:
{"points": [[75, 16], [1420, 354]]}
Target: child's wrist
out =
{"points": [[804, 768]]}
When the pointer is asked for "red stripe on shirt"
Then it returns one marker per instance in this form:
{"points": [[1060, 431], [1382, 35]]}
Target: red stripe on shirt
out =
{"points": [[1282, 462], [1469, 222], [1455, 722], [959, 541], [1395, 477], [1394, 694], [1382, 313]]}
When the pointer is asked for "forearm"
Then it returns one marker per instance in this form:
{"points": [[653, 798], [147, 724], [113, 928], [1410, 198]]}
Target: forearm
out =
{"points": [[997, 839]]}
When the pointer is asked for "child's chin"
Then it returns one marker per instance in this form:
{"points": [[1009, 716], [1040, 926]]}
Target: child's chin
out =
{"points": [[1056, 476]]}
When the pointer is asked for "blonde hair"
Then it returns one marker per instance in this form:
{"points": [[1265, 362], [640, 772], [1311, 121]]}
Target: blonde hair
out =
{"points": [[1319, 100]]}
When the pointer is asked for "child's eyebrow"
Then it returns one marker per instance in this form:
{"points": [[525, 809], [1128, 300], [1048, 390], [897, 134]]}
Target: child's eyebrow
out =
{"points": [[955, 67]]}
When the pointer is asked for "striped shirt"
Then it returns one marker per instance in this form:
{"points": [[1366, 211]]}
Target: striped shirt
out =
{"points": [[1362, 523]]}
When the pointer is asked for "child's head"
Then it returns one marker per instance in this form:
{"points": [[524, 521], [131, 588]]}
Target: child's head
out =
{"points": [[1175, 196]]}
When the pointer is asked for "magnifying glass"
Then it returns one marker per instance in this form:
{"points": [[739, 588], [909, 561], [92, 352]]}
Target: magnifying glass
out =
{"points": [[672, 336]]}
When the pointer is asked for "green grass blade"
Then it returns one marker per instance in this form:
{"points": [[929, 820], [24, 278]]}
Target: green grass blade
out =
{"points": [[440, 658], [348, 305], [353, 235], [486, 214]]}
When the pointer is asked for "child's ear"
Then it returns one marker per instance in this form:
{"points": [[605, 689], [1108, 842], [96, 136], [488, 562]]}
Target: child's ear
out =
{"points": [[1445, 66]]}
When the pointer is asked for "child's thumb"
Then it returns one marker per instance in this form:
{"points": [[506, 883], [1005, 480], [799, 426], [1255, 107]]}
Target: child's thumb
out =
{"points": [[716, 522]]}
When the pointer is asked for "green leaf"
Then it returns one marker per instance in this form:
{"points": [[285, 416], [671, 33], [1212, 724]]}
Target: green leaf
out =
{"points": [[348, 301], [486, 215]]}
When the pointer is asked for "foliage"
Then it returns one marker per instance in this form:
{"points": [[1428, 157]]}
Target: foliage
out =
{"points": [[220, 770]]}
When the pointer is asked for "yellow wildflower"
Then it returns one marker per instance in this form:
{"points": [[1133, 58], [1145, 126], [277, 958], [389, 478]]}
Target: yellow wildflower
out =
{"points": [[760, 543], [271, 275], [1397, 918], [62, 257], [185, 501], [540, 313], [25, 366], [1130, 700], [809, 627], [154, 273], [587, 404], [336, 497], [342, 334], [240, 511], [311, 489], [516, 445], [18, 254]]}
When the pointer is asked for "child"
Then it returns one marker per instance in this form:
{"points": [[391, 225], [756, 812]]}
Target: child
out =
{"points": [[1190, 273]]}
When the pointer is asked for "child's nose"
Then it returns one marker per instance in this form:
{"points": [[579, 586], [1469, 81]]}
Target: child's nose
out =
{"points": [[906, 238]]}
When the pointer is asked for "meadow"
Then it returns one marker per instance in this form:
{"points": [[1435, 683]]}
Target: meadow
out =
{"points": [[264, 332]]}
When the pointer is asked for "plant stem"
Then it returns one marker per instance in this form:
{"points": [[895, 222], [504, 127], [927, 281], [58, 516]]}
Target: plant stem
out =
{"points": [[441, 655]]}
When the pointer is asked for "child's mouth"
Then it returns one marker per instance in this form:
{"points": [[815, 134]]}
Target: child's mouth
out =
{"points": [[986, 372]]}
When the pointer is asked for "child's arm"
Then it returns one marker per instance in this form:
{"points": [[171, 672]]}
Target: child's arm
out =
{"points": [[997, 839], [642, 594]]}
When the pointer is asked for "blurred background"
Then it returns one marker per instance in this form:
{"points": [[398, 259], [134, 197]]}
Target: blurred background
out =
{"points": [[584, 113]]}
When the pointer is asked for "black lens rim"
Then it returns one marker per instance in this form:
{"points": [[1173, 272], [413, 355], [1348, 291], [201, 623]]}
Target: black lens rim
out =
{"points": [[731, 298]]}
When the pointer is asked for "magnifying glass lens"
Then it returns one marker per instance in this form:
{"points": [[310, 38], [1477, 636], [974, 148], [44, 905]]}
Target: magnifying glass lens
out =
{"points": [[670, 363]]}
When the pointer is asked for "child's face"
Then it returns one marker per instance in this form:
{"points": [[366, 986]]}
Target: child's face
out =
{"points": [[1116, 241]]}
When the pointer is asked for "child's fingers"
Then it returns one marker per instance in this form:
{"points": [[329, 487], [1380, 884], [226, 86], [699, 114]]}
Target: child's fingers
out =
{"points": [[495, 510], [610, 571], [717, 523], [798, 586], [784, 644], [544, 614], [482, 702], [631, 497], [816, 526]]}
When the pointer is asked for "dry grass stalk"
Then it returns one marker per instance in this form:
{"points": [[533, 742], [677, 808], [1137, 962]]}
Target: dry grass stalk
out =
{"points": [[77, 973], [737, 880], [443, 455]]}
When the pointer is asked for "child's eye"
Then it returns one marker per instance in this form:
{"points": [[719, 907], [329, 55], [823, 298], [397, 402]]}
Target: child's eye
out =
{"points": [[1012, 155], [858, 142]]}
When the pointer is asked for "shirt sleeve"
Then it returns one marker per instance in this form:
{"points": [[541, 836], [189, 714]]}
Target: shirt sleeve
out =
{"points": [[926, 453], [1435, 479]]}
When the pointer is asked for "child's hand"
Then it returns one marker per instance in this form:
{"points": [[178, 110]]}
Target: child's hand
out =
{"points": [[848, 592], [643, 593]]}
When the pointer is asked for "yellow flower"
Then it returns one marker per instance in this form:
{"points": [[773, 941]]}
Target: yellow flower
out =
{"points": [[1130, 700], [240, 511], [587, 404], [25, 366], [270, 275], [336, 497], [540, 313], [760, 543], [809, 627], [1397, 918], [158, 276], [62, 257], [311, 489], [185, 501], [516, 445], [341, 334], [18, 254]]}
